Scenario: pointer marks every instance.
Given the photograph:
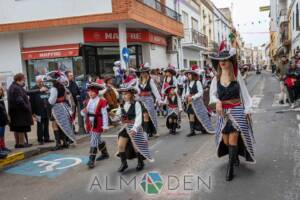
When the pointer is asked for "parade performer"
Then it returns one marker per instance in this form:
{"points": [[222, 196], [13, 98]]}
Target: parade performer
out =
{"points": [[170, 78], [111, 94], [146, 90], [61, 112], [132, 140], [230, 97], [197, 112], [174, 107], [96, 121]]}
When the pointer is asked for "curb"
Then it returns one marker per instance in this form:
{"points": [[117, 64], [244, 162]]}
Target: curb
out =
{"points": [[14, 158]]}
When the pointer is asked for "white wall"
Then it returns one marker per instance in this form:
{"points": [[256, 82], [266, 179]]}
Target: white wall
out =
{"points": [[53, 37], [10, 53], [157, 57], [191, 55], [12, 11], [295, 33], [220, 22]]}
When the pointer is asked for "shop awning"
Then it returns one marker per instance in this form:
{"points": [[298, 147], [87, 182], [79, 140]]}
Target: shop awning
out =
{"points": [[57, 51]]}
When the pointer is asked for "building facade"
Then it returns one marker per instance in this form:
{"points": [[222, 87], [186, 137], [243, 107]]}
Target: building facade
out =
{"points": [[194, 42], [87, 38]]}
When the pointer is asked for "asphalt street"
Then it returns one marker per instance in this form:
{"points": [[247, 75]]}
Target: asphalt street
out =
{"points": [[188, 167]]}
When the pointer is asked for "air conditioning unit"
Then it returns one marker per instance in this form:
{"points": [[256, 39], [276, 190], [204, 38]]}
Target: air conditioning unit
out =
{"points": [[172, 45]]}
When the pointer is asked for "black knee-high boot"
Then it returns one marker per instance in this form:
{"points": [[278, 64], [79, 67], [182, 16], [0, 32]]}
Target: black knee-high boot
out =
{"points": [[174, 126], [65, 140], [232, 157], [147, 129], [91, 162], [192, 127], [104, 152], [140, 165], [57, 140], [124, 164]]}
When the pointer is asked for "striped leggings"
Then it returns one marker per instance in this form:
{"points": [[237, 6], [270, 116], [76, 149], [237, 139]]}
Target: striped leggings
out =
{"points": [[95, 139]]}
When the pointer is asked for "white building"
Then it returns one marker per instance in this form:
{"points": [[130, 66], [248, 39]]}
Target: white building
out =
{"points": [[222, 26], [295, 25], [41, 36], [194, 42]]}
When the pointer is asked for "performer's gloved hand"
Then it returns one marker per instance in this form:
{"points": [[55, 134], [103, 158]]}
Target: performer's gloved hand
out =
{"points": [[219, 108]]}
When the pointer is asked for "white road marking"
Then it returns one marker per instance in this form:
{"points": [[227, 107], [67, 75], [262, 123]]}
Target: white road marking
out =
{"points": [[298, 117], [109, 136], [256, 99]]}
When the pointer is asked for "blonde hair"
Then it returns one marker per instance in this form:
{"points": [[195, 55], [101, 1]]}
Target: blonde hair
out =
{"points": [[231, 72]]}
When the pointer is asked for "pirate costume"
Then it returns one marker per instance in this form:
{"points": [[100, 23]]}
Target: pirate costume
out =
{"points": [[96, 120], [146, 91], [137, 144], [174, 107], [236, 103], [61, 112], [198, 114]]}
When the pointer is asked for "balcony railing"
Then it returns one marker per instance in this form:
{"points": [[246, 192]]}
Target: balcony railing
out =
{"points": [[162, 9], [194, 37]]}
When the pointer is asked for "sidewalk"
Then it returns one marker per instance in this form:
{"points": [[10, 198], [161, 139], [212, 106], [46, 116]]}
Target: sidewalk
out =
{"points": [[36, 149]]}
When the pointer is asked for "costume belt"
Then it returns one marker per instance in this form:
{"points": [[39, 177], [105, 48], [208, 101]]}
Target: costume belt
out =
{"points": [[127, 121], [60, 100], [145, 94], [231, 103], [93, 118], [172, 106]]}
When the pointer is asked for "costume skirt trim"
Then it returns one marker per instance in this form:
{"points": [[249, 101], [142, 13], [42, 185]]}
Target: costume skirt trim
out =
{"points": [[148, 104], [61, 114], [139, 141], [172, 112], [237, 116], [202, 115]]}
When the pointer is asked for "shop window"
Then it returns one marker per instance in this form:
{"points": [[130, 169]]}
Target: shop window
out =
{"points": [[42, 67]]}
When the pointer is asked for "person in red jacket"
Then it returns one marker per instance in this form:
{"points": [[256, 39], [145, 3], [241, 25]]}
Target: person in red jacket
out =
{"points": [[96, 121]]}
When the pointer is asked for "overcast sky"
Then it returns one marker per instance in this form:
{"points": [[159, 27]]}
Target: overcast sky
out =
{"points": [[248, 20]]}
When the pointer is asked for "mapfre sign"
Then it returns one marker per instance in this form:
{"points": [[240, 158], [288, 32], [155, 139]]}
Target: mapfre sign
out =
{"points": [[112, 35]]}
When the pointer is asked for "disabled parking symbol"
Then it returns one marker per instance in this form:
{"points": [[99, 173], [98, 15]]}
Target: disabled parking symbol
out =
{"points": [[51, 165]]}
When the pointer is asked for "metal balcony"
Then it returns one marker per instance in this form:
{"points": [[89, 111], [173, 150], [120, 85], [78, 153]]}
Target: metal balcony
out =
{"points": [[156, 5], [194, 38]]}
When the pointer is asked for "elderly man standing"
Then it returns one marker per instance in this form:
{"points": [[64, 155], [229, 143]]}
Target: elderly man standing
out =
{"points": [[118, 72], [41, 111]]}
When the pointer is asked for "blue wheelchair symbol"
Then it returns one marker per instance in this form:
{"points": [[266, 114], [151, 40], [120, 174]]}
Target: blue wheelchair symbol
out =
{"points": [[51, 165]]}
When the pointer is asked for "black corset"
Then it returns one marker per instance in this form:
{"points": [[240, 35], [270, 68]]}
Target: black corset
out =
{"points": [[232, 91]]}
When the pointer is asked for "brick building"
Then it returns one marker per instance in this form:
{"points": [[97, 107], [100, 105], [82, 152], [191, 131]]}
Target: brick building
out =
{"points": [[86, 38]]}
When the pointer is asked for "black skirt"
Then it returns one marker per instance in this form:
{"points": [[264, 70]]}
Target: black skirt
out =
{"points": [[229, 128], [20, 129]]}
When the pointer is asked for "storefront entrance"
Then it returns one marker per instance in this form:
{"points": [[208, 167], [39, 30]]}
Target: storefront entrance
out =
{"points": [[99, 61]]}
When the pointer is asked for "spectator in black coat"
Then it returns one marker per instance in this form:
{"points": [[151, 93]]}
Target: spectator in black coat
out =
{"points": [[41, 111], [19, 110], [3, 122], [75, 91]]}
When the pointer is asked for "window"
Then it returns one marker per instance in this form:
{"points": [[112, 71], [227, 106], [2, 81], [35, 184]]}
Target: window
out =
{"points": [[195, 24], [185, 62], [41, 67], [293, 20], [297, 16], [185, 18]]}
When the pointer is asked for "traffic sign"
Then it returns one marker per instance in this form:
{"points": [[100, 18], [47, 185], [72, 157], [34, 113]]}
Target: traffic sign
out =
{"points": [[125, 54], [51, 165]]}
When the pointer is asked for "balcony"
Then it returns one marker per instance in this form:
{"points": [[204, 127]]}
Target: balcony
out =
{"points": [[193, 38], [158, 6], [213, 46], [282, 16]]}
